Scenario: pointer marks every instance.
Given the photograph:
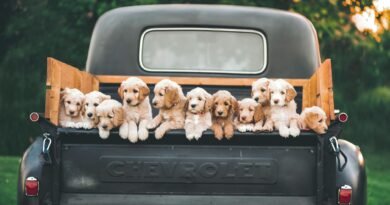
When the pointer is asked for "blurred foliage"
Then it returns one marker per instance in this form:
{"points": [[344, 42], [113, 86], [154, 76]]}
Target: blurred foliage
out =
{"points": [[32, 30]]}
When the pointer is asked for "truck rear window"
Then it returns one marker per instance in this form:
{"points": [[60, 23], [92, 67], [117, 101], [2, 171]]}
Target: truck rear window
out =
{"points": [[203, 50]]}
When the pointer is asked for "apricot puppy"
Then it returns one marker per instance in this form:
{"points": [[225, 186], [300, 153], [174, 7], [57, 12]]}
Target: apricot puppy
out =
{"points": [[92, 100], [110, 114], [245, 120], [71, 106], [223, 109], [313, 118], [261, 94]]}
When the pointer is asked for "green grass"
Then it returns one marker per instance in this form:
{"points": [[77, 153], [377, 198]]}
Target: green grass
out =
{"points": [[378, 170]]}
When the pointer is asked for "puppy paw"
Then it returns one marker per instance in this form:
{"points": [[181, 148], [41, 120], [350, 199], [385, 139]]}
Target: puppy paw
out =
{"points": [[249, 128], [133, 136], [241, 128], [123, 131], [87, 125], [151, 125], [104, 134], [143, 134], [294, 131], [190, 136], [267, 128], [284, 132], [198, 136], [70, 124], [258, 128], [159, 133]]}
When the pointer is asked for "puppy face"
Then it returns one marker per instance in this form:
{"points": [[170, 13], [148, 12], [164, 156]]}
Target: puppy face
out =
{"points": [[224, 104], [315, 119], [246, 111], [92, 100], [281, 92], [260, 90], [133, 91], [166, 94], [110, 114], [73, 100], [198, 101]]}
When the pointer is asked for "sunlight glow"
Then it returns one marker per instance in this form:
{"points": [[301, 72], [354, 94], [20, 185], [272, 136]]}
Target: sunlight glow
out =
{"points": [[366, 20]]}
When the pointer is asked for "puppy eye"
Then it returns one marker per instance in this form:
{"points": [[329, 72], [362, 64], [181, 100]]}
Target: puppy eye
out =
{"points": [[215, 103], [251, 109], [135, 91], [95, 104], [282, 92], [110, 116], [226, 104], [77, 104], [272, 92], [125, 91], [200, 99], [320, 121], [262, 90], [68, 102], [241, 109], [160, 94], [86, 104]]}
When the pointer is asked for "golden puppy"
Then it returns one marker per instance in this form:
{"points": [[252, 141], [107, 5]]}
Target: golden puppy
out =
{"points": [[138, 113], [170, 100], [92, 100], [283, 108], [72, 101], [223, 110], [313, 118], [260, 93], [245, 121], [110, 114], [198, 116]]}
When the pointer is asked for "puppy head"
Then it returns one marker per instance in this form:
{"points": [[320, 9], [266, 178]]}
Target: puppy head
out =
{"points": [[224, 104], [167, 94], [110, 114], [133, 91], [72, 100], [315, 119], [92, 100], [260, 90], [246, 110], [281, 92], [198, 101]]}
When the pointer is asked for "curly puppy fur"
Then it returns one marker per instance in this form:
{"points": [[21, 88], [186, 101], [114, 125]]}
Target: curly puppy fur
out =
{"points": [[137, 110], [260, 93], [313, 118], [71, 106], [223, 110], [110, 114], [198, 116], [283, 108], [170, 100], [92, 100], [245, 120]]}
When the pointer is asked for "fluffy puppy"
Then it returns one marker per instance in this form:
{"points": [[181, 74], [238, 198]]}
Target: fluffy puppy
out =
{"points": [[92, 100], [170, 100], [313, 118], [110, 114], [223, 110], [261, 94], [137, 110], [71, 106], [245, 120], [283, 108], [198, 116]]}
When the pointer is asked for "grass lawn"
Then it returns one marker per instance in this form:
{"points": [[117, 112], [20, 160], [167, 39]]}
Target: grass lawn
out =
{"points": [[378, 169]]}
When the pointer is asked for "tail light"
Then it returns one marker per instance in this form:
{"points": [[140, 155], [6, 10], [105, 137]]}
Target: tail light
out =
{"points": [[34, 117], [345, 195], [31, 186], [343, 117]]}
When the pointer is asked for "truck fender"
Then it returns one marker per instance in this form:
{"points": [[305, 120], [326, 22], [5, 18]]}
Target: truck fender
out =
{"points": [[354, 173]]}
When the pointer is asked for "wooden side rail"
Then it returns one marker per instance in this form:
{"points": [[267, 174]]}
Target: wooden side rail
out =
{"points": [[318, 90], [59, 76]]}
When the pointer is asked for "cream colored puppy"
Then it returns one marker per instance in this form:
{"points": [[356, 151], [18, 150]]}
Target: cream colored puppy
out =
{"points": [[110, 114], [245, 121], [261, 94], [92, 100], [283, 108], [313, 118], [71, 106], [170, 100], [138, 113], [198, 116]]}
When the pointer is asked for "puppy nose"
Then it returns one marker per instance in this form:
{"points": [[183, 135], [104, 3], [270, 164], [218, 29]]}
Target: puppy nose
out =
{"points": [[154, 103], [128, 101], [276, 101], [71, 112], [89, 114], [104, 126], [243, 118], [256, 99], [193, 105], [220, 113]]}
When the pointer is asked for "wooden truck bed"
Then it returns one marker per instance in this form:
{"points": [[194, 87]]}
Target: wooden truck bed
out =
{"points": [[318, 90]]}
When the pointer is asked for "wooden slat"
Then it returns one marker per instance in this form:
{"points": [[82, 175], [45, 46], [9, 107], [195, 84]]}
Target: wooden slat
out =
{"points": [[113, 79], [59, 76]]}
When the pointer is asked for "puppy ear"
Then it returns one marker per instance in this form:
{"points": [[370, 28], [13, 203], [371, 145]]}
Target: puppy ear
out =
{"points": [[118, 116], [171, 97], [259, 114], [209, 103], [63, 93], [234, 103], [143, 92], [120, 91], [290, 93], [310, 119], [186, 104], [105, 97]]}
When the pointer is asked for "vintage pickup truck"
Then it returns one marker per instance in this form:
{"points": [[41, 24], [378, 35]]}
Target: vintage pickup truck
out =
{"points": [[216, 47]]}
